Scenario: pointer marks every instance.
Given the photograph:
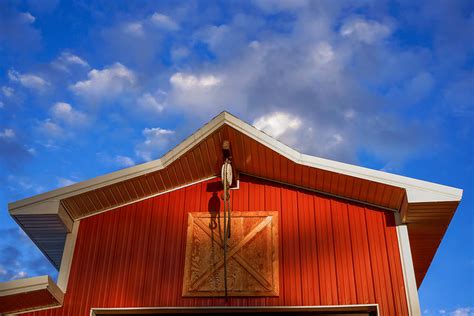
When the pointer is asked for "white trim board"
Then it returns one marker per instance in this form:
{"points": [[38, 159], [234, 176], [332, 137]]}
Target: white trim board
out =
{"points": [[66, 260], [408, 270]]}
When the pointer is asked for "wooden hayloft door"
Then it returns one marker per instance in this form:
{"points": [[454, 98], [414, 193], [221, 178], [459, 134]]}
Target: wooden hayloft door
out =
{"points": [[252, 255]]}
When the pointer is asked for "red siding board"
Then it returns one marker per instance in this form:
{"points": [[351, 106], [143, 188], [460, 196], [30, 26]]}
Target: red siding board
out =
{"points": [[326, 256], [361, 255], [290, 248], [332, 252], [308, 250], [342, 245]]}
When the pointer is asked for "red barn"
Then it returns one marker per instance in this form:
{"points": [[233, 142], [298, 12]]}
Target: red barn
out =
{"points": [[292, 234]]}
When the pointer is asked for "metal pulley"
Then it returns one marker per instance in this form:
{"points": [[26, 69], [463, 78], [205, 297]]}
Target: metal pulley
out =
{"points": [[226, 175]]}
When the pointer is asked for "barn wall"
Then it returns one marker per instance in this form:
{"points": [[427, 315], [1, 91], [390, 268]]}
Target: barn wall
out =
{"points": [[331, 252]]}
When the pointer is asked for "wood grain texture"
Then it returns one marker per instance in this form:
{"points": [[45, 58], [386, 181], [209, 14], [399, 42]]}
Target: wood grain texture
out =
{"points": [[252, 258]]}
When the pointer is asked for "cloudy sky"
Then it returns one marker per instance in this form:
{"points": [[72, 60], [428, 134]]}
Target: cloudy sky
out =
{"points": [[86, 89]]}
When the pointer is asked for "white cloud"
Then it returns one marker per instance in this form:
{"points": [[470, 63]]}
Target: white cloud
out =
{"points": [[7, 133], [28, 80], [190, 82], [67, 59], [365, 30], [134, 28], [302, 133], [64, 182], [201, 92], [74, 59], [150, 103], [323, 53], [121, 161], [7, 91], [2, 104], [105, 84], [462, 311], [27, 17], [20, 275], [156, 140], [124, 161], [23, 184], [65, 113], [179, 53], [278, 123], [319, 74], [164, 21], [215, 36], [459, 311], [51, 129]]}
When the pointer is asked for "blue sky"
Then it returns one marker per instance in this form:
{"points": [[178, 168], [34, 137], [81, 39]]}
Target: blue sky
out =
{"points": [[86, 89]]}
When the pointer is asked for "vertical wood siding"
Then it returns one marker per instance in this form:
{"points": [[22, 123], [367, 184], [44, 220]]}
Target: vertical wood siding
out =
{"points": [[332, 252]]}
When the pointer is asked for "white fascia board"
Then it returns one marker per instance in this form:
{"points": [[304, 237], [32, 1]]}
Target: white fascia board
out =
{"points": [[417, 190], [29, 285], [24, 285], [66, 260], [408, 270]]}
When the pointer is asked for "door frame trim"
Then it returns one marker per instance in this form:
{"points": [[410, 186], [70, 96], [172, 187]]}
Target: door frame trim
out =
{"points": [[372, 309]]}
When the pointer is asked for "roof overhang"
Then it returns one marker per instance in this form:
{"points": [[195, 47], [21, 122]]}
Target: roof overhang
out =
{"points": [[425, 207], [29, 294]]}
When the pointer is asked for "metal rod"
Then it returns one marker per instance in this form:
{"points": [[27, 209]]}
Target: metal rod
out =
{"points": [[229, 215]]}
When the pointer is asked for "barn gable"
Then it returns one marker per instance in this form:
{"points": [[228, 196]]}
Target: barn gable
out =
{"points": [[421, 209]]}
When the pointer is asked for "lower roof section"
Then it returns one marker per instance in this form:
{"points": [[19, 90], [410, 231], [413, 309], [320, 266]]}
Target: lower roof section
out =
{"points": [[47, 228], [29, 294]]}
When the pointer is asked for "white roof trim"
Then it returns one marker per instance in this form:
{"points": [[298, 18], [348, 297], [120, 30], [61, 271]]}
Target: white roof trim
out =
{"points": [[31, 284], [417, 190]]}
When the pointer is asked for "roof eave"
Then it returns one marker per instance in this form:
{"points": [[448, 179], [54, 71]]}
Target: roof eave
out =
{"points": [[417, 190]]}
